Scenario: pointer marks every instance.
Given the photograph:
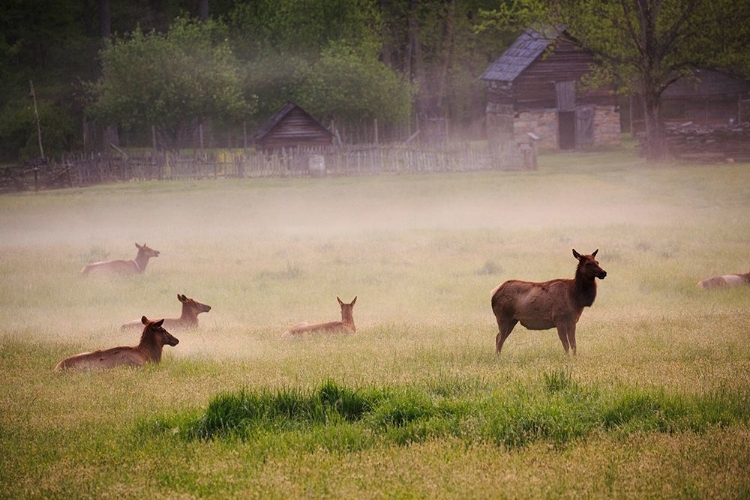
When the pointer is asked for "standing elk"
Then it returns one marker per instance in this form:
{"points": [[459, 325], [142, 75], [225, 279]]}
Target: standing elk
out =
{"points": [[153, 340], [124, 267], [188, 319], [550, 304], [345, 325], [726, 281]]}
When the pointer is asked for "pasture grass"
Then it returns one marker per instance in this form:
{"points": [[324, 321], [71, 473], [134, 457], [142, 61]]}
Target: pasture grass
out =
{"points": [[416, 403]]}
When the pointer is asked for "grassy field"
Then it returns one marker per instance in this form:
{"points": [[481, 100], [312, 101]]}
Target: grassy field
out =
{"points": [[416, 404]]}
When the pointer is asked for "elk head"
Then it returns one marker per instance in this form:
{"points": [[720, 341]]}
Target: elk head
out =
{"points": [[588, 266], [158, 333], [146, 251], [193, 304]]}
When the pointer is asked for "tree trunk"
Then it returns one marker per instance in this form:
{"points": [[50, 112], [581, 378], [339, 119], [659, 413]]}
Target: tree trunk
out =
{"points": [[656, 147], [203, 10], [105, 19], [416, 63], [447, 61]]}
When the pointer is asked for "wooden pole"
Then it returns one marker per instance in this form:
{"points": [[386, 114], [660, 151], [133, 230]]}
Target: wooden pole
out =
{"points": [[36, 117], [200, 132]]}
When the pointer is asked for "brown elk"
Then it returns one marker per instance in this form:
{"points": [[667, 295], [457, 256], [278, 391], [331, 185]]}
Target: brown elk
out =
{"points": [[124, 267], [153, 340], [726, 281], [188, 319], [541, 306], [345, 325]]}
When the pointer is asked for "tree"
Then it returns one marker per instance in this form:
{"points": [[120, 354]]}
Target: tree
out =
{"points": [[351, 85], [172, 81], [649, 44]]}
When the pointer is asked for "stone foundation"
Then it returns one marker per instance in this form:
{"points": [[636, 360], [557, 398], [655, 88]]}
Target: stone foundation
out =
{"points": [[543, 123]]}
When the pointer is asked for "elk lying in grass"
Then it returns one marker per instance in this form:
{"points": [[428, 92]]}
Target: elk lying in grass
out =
{"points": [[726, 281], [153, 339], [188, 319], [541, 306], [124, 267], [345, 325]]}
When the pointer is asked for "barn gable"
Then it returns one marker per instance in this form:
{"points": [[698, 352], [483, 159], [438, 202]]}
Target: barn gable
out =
{"points": [[292, 127]]}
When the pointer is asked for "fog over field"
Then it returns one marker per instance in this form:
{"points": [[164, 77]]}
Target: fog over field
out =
{"points": [[226, 209], [421, 254]]}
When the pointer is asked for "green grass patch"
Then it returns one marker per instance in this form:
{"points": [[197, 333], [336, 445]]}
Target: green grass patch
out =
{"points": [[554, 408]]}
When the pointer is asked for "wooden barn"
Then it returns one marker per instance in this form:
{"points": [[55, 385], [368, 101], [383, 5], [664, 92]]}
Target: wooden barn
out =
{"points": [[533, 90], [706, 98], [292, 127]]}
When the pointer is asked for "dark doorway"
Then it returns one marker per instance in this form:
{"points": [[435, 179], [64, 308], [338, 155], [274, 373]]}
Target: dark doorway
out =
{"points": [[566, 129]]}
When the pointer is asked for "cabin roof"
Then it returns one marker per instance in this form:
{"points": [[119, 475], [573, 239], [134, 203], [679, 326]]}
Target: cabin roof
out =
{"points": [[527, 47], [279, 116]]}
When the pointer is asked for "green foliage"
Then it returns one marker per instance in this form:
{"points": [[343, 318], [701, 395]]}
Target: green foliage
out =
{"points": [[19, 136], [352, 85], [300, 28], [172, 81], [245, 412]]}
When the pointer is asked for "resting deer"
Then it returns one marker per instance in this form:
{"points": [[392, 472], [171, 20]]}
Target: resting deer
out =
{"points": [[726, 281], [188, 319], [550, 304], [153, 339], [135, 266], [345, 325]]}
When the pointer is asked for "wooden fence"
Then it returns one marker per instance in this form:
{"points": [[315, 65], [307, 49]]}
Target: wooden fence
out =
{"points": [[85, 170]]}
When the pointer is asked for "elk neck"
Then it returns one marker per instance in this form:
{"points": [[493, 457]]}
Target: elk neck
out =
{"points": [[188, 316], [141, 261], [149, 346], [584, 289]]}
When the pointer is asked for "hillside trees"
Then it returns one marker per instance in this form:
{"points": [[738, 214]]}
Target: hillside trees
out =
{"points": [[172, 81]]}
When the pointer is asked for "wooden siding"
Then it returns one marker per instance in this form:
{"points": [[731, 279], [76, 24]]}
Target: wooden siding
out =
{"points": [[296, 129], [535, 87]]}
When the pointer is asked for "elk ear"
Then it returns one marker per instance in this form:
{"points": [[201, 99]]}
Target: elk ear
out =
{"points": [[144, 320], [340, 303], [353, 301], [594, 254], [157, 324], [138, 246], [181, 298], [576, 254]]}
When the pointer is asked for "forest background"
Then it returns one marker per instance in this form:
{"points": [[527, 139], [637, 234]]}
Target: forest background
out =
{"points": [[150, 72]]}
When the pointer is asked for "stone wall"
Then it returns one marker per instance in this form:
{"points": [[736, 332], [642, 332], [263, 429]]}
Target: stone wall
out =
{"points": [[606, 126], [541, 122]]}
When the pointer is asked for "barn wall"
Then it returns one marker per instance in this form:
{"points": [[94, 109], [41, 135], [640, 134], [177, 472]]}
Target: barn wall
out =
{"points": [[534, 88]]}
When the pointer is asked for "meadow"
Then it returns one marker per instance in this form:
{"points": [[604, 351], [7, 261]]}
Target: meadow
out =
{"points": [[415, 404]]}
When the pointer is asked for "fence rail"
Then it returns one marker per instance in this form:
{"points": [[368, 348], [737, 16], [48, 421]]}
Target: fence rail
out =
{"points": [[84, 170]]}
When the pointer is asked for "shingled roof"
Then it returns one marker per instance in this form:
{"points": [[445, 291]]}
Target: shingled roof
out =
{"points": [[518, 57]]}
